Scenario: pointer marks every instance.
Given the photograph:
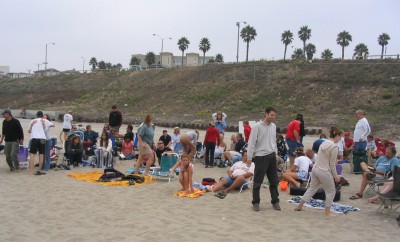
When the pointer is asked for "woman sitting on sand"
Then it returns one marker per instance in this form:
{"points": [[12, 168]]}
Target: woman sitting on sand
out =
{"points": [[300, 168], [185, 173], [188, 141], [103, 152]]}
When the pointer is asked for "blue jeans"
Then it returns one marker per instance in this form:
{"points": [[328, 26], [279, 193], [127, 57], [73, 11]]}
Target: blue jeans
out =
{"points": [[292, 144], [360, 147], [47, 160], [129, 157]]}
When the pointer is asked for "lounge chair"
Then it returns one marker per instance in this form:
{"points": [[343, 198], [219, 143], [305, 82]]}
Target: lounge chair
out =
{"points": [[393, 195], [168, 160]]}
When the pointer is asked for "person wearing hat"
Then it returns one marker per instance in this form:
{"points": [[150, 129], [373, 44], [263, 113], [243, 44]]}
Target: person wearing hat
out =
{"points": [[67, 125], [38, 140], [166, 138], [13, 135]]}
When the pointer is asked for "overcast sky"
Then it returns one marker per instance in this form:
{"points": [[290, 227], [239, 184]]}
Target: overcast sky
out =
{"points": [[113, 30]]}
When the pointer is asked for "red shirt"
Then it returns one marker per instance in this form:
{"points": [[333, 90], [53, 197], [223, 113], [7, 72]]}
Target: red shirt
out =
{"points": [[381, 146], [348, 142], [294, 125], [212, 135], [247, 131]]}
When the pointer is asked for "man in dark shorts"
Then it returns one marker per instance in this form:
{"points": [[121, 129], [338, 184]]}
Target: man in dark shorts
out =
{"points": [[161, 148], [38, 141]]}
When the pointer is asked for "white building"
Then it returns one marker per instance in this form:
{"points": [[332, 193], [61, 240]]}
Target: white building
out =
{"points": [[4, 70], [169, 60], [48, 72]]}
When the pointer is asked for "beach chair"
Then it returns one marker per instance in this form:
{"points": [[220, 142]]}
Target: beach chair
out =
{"points": [[393, 195], [377, 182], [168, 160], [247, 185]]}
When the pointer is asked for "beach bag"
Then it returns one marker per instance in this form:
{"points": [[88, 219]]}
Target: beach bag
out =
{"points": [[320, 194], [208, 181], [110, 174]]}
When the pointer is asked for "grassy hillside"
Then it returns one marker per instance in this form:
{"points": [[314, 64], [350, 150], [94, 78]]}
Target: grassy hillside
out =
{"points": [[327, 94]]}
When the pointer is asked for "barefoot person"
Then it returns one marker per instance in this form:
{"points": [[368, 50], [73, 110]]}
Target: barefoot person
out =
{"points": [[324, 172], [262, 151], [188, 141], [185, 173], [146, 143]]}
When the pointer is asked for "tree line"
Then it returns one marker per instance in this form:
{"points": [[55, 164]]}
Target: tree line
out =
{"points": [[249, 33]]}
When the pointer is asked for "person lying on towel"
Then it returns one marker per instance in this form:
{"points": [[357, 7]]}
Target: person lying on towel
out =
{"points": [[238, 174]]}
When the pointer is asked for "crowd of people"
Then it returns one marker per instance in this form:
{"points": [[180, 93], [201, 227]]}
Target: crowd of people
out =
{"points": [[257, 153]]}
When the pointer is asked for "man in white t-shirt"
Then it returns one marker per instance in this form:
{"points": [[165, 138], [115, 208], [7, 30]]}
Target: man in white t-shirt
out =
{"points": [[38, 140], [67, 125], [361, 131], [238, 174], [299, 170]]}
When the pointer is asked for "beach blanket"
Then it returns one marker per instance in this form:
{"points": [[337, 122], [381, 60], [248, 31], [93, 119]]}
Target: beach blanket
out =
{"points": [[320, 204], [197, 193], [95, 175]]}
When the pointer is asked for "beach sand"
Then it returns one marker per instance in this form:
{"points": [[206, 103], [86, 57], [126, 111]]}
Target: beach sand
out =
{"points": [[55, 207]]}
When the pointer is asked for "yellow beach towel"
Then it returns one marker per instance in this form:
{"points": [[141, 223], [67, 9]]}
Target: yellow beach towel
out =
{"points": [[95, 175], [197, 193]]}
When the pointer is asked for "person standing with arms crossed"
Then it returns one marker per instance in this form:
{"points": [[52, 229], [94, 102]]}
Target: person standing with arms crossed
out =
{"points": [[14, 136], [262, 151]]}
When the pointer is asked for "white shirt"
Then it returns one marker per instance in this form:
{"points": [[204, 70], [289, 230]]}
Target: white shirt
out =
{"points": [[37, 130], [303, 163], [340, 145], [241, 168], [175, 138], [67, 121], [362, 130]]}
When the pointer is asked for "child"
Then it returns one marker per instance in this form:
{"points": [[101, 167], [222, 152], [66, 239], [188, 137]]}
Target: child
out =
{"points": [[127, 149], [185, 173]]}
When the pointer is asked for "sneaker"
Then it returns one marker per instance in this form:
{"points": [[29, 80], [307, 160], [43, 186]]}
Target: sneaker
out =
{"points": [[276, 206], [256, 207]]}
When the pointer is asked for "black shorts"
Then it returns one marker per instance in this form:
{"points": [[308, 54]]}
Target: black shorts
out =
{"points": [[66, 130], [37, 145]]}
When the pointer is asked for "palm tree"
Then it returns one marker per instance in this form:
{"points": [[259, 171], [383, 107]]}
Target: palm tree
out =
{"points": [[219, 58], [287, 38], [304, 34], [343, 39], [150, 58], [183, 44], [248, 34], [93, 62], [310, 51], [297, 54], [361, 51], [327, 54], [204, 46], [383, 41]]}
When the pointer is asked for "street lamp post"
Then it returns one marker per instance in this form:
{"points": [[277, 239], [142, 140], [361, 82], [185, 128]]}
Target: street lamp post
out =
{"points": [[162, 44], [83, 65], [45, 60], [38, 65], [237, 51]]}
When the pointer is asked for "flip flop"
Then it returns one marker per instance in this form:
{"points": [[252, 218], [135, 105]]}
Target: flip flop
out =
{"points": [[221, 195], [357, 196]]}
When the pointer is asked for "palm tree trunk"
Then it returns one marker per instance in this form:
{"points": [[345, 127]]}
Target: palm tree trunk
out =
{"points": [[382, 52], [304, 48], [247, 52], [284, 55], [182, 58], [342, 52], [204, 57]]}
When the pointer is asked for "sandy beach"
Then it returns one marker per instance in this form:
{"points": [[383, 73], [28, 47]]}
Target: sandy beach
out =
{"points": [[55, 207]]}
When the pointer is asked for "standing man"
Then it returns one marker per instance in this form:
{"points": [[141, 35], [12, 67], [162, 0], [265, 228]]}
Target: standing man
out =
{"points": [[14, 136], [67, 125], [292, 138], [115, 118], [262, 151], [38, 141], [247, 130], [361, 131]]}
